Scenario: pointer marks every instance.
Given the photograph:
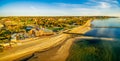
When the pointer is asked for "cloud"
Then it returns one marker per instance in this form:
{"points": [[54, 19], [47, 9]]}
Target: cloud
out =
{"points": [[88, 8], [104, 5]]}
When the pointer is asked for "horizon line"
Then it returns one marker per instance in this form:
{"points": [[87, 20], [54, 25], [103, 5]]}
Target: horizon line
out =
{"points": [[56, 15]]}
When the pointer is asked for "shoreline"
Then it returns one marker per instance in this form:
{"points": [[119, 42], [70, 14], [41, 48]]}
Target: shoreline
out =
{"points": [[27, 57], [63, 52], [48, 43], [58, 53]]}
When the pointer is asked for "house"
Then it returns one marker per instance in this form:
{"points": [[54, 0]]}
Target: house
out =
{"points": [[1, 25]]}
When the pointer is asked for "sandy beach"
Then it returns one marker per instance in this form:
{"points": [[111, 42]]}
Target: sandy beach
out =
{"points": [[60, 52]]}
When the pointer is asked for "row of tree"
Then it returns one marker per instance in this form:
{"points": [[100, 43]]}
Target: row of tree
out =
{"points": [[16, 24]]}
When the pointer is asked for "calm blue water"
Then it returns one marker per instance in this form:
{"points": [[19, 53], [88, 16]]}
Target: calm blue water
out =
{"points": [[96, 49], [115, 22], [106, 32]]}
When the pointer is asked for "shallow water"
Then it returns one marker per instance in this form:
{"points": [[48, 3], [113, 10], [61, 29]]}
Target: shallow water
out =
{"points": [[96, 49]]}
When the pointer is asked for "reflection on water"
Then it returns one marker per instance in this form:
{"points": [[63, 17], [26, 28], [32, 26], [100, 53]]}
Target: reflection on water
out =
{"points": [[104, 32], [95, 50], [111, 22]]}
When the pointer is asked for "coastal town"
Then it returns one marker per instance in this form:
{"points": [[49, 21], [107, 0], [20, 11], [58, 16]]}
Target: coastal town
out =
{"points": [[17, 29], [23, 32], [59, 30]]}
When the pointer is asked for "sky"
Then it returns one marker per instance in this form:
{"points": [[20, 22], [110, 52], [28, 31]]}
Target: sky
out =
{"points": [[59, 7]]}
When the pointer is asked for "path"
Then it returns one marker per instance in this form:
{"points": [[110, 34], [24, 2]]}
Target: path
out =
{"points": [[40, 44]]}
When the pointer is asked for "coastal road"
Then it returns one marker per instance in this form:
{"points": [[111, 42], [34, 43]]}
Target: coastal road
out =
{"points": [[61, 52], [21, 47], [30, 47], [39, 44]]}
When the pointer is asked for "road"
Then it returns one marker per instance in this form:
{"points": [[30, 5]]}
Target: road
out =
{"points": [[31, 47], [58, 53], [39, 44], [20, 47], [61, 52]]}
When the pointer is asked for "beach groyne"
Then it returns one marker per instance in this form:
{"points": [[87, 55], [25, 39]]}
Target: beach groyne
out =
{"points": [[61, 53], [51, 42]]}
